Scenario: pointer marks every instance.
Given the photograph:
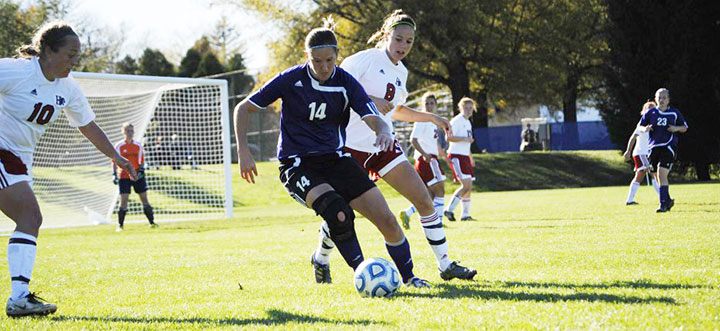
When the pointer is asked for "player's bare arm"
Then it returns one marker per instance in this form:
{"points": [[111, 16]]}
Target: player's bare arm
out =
{"points": [[248, 169], [677, 128], [382, 105], [97, 137], [630, 146], [383, 136], [406, 114]]}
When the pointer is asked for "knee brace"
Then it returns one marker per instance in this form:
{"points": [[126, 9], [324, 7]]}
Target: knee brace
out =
{"points": [[328, 205]]}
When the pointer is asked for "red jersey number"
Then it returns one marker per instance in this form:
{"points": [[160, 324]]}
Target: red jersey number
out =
{"points": [[41, 114], [390, 92]]}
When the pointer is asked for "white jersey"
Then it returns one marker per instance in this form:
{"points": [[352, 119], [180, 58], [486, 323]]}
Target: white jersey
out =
{"points": [[461, 128], [642, 145], [381, 79], [427, 136], [29, 103]]}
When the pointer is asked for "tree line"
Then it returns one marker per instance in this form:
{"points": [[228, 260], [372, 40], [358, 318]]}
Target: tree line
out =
{"points": [[610, 54]]}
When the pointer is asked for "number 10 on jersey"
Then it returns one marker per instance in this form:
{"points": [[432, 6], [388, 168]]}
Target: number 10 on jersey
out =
{"points": [[317, 113]]}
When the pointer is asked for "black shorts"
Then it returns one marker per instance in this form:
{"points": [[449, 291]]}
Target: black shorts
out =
{"points": [[344, 174], [662, 156], [139, 185]]}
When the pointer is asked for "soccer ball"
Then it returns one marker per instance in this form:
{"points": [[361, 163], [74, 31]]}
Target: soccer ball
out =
{"points": [[376, 278]]}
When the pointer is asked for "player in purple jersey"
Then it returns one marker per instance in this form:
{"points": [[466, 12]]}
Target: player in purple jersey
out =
{"points": [[33, 91], [317, 98], [663, 122]]}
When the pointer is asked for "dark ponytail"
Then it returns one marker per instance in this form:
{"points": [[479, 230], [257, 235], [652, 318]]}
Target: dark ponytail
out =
{"points": [[49, 36]]}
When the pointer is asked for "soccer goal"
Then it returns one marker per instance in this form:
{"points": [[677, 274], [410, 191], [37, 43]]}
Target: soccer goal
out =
{"points": [[184, 126]]}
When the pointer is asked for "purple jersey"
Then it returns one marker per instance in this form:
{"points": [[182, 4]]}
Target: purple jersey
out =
{"points": [[660, 120], [314, 115]]}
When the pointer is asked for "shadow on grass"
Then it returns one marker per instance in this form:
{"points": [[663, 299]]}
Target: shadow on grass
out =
{"points": [[275, 317], [616, 284], [184, 190], [480, 291], [546, 170]]}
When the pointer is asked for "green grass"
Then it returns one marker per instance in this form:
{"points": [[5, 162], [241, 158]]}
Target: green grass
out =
{"points": [[573, 258]]}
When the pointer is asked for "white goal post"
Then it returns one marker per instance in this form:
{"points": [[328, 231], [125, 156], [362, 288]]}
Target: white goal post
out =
{"points": [[184, 125]]}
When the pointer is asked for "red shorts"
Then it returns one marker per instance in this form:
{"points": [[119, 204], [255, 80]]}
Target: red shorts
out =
{"points": [[378, 164], [641, 162], [431, 173], [461, 167]]}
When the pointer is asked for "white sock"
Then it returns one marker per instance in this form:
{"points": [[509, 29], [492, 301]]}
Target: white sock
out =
{"points": [[465, 207], [634, 186], [439, 204], [656, 186], [453, 203], [21, 258], [435, 235], [410, 211], [325, 245]]}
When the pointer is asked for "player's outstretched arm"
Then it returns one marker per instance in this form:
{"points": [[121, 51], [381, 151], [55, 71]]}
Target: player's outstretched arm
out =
{"points": [[248, 169], [97, 137], [630, 146]]}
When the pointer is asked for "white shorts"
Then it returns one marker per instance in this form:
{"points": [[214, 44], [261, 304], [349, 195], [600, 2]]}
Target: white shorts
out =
{"points": [[14, 168]]}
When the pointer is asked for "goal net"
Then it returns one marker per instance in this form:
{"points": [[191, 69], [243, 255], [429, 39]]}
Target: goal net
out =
{"points": [[183, 124]]}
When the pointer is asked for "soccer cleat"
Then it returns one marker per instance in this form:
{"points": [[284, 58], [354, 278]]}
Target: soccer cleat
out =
{"points": [[467, 218], [28, 305], [455, 270], [670, 204], [631, 203], [322, 271], [449, 215], [405, 220], [119, 229], [663, 208], [418, 282]]}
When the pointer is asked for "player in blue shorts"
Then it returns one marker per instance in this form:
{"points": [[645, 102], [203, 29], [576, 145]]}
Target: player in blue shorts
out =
{"points": [[317, 98], [663, 122]]}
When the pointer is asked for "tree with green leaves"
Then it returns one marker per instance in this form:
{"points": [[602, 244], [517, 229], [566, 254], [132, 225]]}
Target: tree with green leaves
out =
{"points": [[671, 44], [17, 26], [153, 63], [190, 63], [128, 65]]}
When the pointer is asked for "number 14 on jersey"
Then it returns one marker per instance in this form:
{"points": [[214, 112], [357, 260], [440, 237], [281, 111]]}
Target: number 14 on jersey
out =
{"points": [[317, 113]]}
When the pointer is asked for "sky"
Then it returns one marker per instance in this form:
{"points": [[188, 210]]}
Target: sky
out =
{"points": [[172, 26]]}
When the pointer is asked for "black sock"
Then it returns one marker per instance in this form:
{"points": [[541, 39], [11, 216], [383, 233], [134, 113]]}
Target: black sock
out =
{"points": [[121, 216], [147, 209]]}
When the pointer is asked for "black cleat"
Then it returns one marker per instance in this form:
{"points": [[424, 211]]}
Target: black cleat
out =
{"points": [[631, 203], [449, 215], [455, 270], [469, 218], [663, 208], [322, 271], [670, 204], [29, 305]]}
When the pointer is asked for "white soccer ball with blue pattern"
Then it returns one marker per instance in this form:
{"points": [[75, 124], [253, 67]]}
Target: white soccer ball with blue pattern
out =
{"points": [[376, 278]]}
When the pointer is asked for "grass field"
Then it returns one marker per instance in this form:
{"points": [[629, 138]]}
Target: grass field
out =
{"points": [[574, 258]]}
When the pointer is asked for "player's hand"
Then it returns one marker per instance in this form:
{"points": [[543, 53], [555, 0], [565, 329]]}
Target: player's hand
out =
{"points": [[426, 157], [626, 155], [141, 174], [649, 128], [248, 169], [384, 141], [441, 122], [127, 166], [116, 180], [470, 139]]}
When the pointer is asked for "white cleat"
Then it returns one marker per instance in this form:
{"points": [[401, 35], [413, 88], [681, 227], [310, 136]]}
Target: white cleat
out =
{"points": [[29, 305], [418, 282]]}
